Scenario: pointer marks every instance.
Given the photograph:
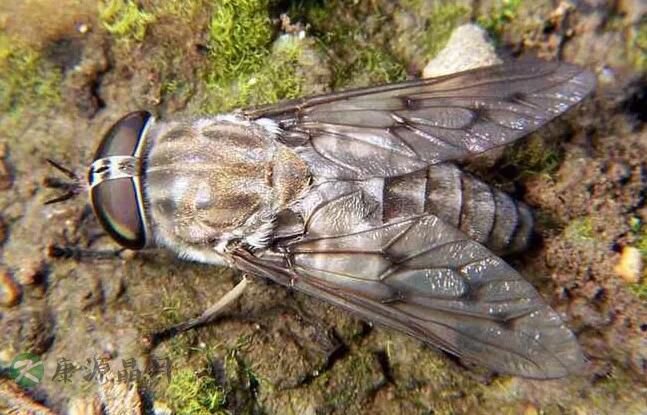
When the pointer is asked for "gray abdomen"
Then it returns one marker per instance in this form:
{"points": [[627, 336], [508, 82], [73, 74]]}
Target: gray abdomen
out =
{"points": [[487, 215]]}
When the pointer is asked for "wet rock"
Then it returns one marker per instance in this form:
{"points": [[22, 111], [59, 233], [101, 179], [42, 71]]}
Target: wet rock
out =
{"points": [[10, 291], [468, 47]]}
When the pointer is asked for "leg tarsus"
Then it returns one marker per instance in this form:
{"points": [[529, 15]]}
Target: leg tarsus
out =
{"points": [[64, 251]]}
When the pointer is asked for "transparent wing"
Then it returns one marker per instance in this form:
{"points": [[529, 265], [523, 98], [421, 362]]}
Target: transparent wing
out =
{"points": [[423, 277], [399, 128]]}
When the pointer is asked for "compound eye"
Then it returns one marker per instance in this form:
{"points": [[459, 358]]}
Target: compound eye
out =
{"points": [[124, 136], [115, 205], [114, 193]]}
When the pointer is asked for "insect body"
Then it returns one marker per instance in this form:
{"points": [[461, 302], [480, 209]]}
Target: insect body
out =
{"points": [[353, 198]]}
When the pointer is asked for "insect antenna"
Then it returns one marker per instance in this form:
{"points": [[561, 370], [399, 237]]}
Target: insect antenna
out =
{"points": [[71, 188]]}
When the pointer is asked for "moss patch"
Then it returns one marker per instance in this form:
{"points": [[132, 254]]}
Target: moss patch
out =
{"points": [[156, 48], [352, 36], [580, 230], [367, 65], [223, 382], [240, 32], [26, 78], [247, 65], [124, 20], [639, 290], [379, 42], [533, 156], [637, 46], [640, 231], [281, 72], [501, 15], [440, 23], [641, 242], [194, 393]]}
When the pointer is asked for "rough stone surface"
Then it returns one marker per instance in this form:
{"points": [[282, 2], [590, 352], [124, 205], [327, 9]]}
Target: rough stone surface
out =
{"points": [[277, 351]]}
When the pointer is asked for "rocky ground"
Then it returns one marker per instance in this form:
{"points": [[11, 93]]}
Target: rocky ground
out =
{"points": [[68, 69]]}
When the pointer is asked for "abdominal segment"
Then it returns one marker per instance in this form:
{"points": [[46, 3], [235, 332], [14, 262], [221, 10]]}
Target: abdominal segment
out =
{"points": [[486, 215]]}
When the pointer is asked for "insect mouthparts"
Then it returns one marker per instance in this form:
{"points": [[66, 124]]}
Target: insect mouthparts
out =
{"points": [[71, 188]]}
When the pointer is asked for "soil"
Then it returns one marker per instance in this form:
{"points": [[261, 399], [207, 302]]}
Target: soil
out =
{"points": [[277, 351]]}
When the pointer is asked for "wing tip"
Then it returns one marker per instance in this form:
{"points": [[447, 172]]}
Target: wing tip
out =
{"points": [[575, 365], [587, 80], [584, 78], [561, 359]]}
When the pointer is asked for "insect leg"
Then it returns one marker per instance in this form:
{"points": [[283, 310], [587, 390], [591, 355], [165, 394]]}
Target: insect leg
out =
{"points": [[209, 315], [79, 254]]}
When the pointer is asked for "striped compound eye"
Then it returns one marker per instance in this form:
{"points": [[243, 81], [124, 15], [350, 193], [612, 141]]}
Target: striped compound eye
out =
{"points": [[115, 184]]}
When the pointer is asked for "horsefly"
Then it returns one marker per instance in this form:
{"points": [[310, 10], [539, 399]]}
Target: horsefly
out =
{"points": [[354, 198]]}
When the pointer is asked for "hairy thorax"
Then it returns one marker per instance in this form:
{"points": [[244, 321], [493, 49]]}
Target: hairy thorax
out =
{"points": [[214, 181]]}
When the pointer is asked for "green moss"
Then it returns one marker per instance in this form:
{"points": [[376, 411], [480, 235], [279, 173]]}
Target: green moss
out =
{"points": [[640, 231], [503, 13], [201, 391], [26, 78], [246, 65], [532, 157], [278, 77], [171, 309], [124, 20], [241, 379], [352, 35], [637, 46], [611, 385], [641, 236], [191, 393], [240, 33], [639, 289], [634, 224], [353, 379], [369, 65], [444, 19], [580, 230], [242, 68]]}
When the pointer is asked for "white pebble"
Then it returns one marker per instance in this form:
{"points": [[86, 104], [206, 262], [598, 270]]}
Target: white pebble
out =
{"points": [[468, 47]]}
